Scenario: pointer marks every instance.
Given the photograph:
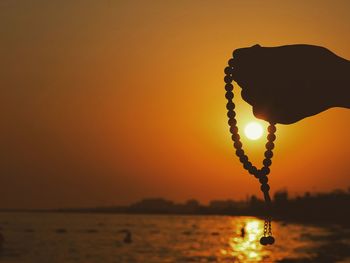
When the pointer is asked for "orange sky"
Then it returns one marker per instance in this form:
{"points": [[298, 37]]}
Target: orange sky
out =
{"points": [[107, 102]]}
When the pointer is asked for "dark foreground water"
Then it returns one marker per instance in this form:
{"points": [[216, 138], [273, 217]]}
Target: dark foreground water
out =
{"points": [[85, 238]]}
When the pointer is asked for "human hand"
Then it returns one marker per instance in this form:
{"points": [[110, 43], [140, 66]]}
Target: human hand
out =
{"points": [[288, 83]]}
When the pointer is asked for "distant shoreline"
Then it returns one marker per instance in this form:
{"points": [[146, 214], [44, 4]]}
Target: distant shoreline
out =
{"points": [[297, 215], [306, 221], [316, 209]]}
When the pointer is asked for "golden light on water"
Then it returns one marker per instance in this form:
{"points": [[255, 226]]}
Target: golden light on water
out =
{"points": [[247, 248]]}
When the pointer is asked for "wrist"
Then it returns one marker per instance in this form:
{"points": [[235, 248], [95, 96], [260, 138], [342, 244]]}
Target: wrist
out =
{"points": [[343, 82]]}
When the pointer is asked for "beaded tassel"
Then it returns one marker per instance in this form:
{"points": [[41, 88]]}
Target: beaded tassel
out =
{"points": [[260, 174]]}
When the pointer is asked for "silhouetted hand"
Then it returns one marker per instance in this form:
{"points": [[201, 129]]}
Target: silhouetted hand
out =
{"points": [[288, 83]]}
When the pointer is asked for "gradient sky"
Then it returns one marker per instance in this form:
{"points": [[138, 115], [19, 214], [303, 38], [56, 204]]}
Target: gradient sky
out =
{"points": [[107, 102]]}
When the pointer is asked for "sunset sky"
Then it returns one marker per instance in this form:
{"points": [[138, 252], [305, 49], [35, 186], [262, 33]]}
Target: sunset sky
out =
{"points": [[108, 102]]}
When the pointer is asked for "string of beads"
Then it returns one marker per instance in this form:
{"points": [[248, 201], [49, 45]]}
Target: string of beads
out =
{"points": [[260, 174]]}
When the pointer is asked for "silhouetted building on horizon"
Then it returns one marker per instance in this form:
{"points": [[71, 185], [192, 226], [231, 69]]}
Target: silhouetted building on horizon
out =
{"points": [[310, 207]]}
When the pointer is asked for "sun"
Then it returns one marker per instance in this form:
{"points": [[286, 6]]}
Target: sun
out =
{"points": [[253, 130]]}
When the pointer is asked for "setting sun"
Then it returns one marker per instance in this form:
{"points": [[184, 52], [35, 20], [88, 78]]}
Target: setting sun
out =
{"points": [[253, 130]]}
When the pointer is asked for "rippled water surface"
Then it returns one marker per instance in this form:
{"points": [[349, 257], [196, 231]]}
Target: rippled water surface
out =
{"points": [[85, 238]]}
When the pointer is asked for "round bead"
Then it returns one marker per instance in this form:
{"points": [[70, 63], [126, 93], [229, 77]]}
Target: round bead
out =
{"points": [[243, 159], [270, 145], [232, 122], [267, 162], [231, 114], [234, 129], [268, 154], [265, 170], [231, 62], [258, 173], [228, 70], [270, 240], [227, 79], [271, 129], [230, 105], [235, 137], [239, 152], [237, 144], [253, 170], [265, 187], [228, 87], [229, 95], [263, 179], [263, 241], [271, 137], [247, 165]]}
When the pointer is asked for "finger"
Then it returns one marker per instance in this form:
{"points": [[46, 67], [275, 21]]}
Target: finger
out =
{"points": [[244, 59], [268, 113], [241, 73], [274, 114], [247, 95], [259, 112], [239, 52]]}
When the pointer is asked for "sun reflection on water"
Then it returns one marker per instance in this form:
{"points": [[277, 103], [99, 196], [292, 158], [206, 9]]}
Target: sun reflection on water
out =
{"points": [[244, 245]]}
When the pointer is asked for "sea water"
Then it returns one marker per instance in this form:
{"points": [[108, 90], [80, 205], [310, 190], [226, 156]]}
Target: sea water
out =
{"points": [[88, 238]]}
